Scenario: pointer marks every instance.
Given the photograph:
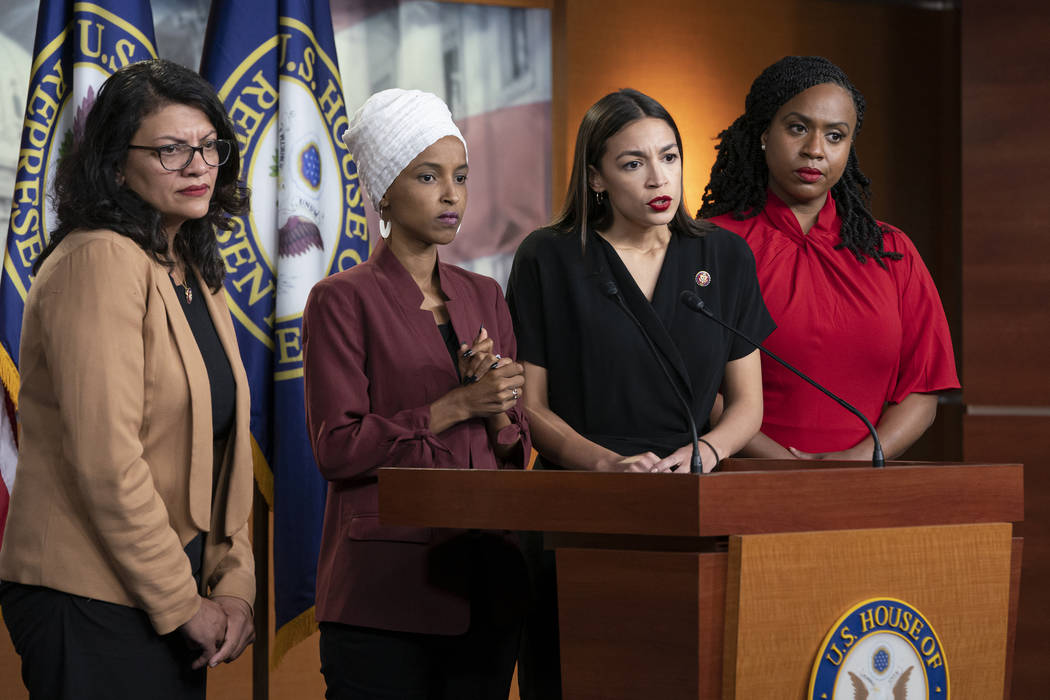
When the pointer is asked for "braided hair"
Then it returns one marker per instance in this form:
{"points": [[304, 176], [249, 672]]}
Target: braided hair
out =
{"points": [[739, 177]]}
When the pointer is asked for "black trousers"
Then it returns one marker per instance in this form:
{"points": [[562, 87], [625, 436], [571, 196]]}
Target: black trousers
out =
{"points": [[362, 663], [539, 662], [76, 648]]}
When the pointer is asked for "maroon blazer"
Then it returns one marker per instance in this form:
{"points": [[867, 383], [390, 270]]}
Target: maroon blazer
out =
{"points": [[373, 362]]}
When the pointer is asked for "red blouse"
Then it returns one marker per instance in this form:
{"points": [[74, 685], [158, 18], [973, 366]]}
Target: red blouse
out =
{"points": [[869, 334]]}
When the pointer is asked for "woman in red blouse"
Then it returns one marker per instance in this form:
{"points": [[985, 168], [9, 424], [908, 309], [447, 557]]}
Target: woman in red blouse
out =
{"points": [[854, 305]]}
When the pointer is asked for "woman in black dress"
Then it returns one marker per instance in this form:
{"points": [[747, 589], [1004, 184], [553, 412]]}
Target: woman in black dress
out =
{"points": [[614, 262]]}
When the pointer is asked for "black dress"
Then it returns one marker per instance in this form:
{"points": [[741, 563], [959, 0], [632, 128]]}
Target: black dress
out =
{"points": [[603, 380], [602, 377]]}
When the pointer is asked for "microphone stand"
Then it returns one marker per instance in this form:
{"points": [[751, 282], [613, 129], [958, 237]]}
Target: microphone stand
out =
{"points": [[610, 289], [693, 301]]}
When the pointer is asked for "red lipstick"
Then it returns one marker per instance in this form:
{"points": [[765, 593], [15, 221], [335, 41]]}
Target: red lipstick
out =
{"points": [[195, 190], [809, 174], [660, 203]]}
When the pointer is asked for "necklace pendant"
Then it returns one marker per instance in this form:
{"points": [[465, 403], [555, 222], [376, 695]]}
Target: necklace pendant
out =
{"points": [[189, 295]]}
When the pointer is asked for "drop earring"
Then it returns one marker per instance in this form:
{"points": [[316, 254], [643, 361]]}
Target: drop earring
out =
{"points": [[384, 226]]}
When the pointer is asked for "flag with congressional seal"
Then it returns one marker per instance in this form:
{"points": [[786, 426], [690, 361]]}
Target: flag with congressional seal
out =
{"points": [[274, 65], [78, 45]]}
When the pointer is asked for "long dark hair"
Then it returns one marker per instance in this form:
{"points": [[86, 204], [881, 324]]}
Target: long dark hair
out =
{"points": [[739, 177], [582, 211], [86, 190]]}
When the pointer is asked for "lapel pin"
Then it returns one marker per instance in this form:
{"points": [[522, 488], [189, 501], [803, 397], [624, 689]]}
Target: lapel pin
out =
{"points": [[703, 278]]}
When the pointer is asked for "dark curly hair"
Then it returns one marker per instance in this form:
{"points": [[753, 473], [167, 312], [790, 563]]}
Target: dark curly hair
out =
{"points": [[606, 117], [86, 190], [739, 177]]}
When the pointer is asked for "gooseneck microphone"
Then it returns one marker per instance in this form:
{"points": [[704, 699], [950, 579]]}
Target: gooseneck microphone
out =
{"points": [[693, 301], [610, 290]]}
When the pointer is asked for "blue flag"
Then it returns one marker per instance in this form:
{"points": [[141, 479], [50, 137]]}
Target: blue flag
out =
{"points": [[78, 45], [274, 65]]}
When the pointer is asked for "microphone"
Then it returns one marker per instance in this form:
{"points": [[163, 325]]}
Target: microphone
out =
{"points": [[610, 290], [695, 303]]}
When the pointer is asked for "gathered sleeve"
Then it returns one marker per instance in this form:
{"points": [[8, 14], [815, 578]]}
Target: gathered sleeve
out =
{"points": [[93, 313], [927, 361], [349, 439], [752, 317]]}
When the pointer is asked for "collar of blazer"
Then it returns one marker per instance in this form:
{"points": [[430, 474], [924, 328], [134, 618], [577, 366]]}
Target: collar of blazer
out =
{"points": [[461, 302], [238, 496]]}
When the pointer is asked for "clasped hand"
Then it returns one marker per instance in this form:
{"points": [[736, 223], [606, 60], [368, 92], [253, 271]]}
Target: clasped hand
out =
{"points": [[492, 383], [221, 629]]}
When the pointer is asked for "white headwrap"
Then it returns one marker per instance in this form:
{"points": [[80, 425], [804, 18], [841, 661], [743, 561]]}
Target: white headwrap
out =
{"points": [[390, 129]]}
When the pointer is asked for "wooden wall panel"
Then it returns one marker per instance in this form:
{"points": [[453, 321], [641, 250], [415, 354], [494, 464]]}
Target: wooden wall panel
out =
{"points": [[1024, 439], [1006, 213], [699, 58], [10, 669], [1006, 276]]}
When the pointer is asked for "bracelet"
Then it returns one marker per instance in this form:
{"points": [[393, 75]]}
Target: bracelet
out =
{"points": [[717, 458]]}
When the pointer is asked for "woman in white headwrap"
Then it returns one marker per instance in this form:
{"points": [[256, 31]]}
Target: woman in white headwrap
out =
{"points": [[408, 362]]}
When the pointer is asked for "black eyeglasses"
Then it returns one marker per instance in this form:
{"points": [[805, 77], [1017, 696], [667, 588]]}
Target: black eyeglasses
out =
{"points": [[176, 156]]}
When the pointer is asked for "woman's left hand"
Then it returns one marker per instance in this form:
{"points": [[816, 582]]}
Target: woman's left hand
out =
{"points": [[240, 629], [478, 358], [678, 461]]}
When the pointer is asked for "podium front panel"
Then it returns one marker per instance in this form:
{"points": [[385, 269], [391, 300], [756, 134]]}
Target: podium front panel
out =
{"points": [[785, 593], [641, 624]]}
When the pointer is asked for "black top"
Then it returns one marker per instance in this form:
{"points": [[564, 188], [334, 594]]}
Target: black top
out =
{"points": [[602, 377], [220, 374], [448, 334]]}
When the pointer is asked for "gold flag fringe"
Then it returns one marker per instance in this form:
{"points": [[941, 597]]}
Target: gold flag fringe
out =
{"points": [[9, 376], [296, 630]]}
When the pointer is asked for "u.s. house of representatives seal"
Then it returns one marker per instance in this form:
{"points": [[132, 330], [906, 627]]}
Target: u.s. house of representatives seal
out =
{"points": [[881, 649], [307, 219]]}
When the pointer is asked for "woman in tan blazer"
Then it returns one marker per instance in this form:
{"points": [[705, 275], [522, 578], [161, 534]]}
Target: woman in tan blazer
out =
{"points": [[126, 562]]}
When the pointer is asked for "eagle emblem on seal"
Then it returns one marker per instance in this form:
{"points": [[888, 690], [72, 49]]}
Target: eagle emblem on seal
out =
{"points": [[863, 690]]}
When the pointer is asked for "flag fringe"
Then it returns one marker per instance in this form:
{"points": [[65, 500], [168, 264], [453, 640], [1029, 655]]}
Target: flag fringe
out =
{"points": [[10, 378], [296, 630]]}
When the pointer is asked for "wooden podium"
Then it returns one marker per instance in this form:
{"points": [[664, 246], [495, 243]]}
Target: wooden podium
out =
{"points": [[724, 585]]}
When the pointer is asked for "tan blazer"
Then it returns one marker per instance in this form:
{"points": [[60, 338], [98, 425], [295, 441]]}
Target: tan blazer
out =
{"points": [[116, 456]]}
